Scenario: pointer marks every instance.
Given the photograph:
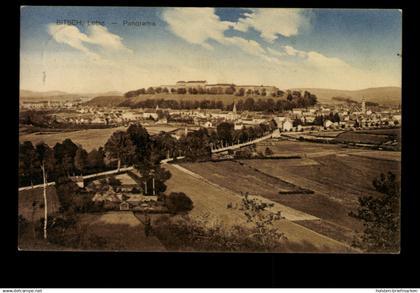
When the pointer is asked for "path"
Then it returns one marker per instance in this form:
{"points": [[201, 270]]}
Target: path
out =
{"points": [[240, 145], [106, 173]]}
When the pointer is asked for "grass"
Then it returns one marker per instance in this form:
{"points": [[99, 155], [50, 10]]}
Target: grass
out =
{"points": [[336, 181], [372, 136], [111, 231], [211, 200], [241, 178], [335, 174], [88, 138], [286, 147], [28, 197]]}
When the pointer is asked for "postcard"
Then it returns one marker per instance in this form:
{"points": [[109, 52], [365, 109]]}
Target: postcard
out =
{"points": [[210, 129]]}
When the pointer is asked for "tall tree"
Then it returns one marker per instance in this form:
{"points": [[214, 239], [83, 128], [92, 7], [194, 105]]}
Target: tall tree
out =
{"points": [[225, 132], [95, 159], [28, 163], [81, 160], [142, 145], [45, 156], [119, 146]]}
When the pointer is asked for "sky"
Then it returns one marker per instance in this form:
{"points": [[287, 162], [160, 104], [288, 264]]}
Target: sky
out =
{"points": [[126, 48]]}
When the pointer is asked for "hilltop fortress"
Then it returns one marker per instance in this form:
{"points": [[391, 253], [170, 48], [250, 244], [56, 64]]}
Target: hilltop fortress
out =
{"points": [[201, 86]]}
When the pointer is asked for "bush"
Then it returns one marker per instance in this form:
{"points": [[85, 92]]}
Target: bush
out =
{"points": [[245, 153], [114, 182], [268, 151], [60, 230], [178, 202]]}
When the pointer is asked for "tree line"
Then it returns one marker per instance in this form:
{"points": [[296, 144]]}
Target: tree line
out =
{"points": [[197, 145], [293, 100], [214, 90], [64, 159], [133, 147]]}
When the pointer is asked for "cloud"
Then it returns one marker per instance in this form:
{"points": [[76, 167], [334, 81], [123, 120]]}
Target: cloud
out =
{"points": [[200, 25], [320, 60], [196, 25], [273, 22], [316, 59], [97, 35], [249, 46], [289, 50], [275, 52]]}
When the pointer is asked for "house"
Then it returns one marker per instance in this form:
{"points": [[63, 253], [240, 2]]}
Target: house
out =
{"points": [[148, 115], [327, 123], [287, 125], [124, 206], [164, 120], [279, 121]]}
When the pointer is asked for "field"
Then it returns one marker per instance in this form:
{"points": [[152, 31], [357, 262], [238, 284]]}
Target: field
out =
{"points": [[88, 138], [241, 178], [304, 149], [336, 175], [211, 200], [110, 231], [371, 136]]}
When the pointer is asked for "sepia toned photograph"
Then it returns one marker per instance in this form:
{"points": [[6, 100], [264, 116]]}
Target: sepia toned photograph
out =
{"points": [[183, 129]]}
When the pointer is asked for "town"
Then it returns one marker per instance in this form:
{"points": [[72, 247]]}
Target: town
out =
{"points": [[314, 117]]}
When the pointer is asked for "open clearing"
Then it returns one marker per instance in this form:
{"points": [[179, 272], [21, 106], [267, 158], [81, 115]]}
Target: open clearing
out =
{"points": [[241, 178], [88, 138], [212, 200]]}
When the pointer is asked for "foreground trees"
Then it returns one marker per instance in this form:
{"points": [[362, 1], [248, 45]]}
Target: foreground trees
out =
{"points": [[380, 216], [120, 146]]}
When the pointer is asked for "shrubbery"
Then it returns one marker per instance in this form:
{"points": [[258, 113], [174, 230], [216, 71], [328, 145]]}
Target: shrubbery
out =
{"points": [[177, 202]]}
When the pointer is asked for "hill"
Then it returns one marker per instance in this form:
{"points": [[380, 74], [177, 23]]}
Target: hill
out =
{"points": [[381, 95], [60, 95], [32, 94], [106, 101], [117, 100]]}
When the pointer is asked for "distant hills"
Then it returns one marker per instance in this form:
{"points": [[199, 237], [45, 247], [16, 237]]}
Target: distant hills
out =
{"points": [[106, 101], [380, 95], [60, 95]]}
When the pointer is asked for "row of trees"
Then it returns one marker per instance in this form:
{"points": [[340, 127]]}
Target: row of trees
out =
{"points": [[64, 159], [137, 148], [215, 90], [197, 145], [250, 104], [320, 119], [131, 147], [174, 104]]}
